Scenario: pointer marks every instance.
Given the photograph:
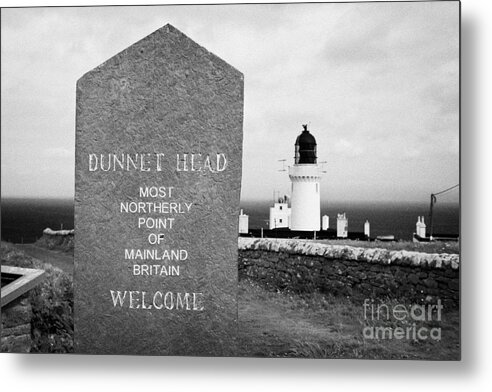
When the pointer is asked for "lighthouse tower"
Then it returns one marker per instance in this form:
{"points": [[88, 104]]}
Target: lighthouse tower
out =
{"points": [[305, 176]]}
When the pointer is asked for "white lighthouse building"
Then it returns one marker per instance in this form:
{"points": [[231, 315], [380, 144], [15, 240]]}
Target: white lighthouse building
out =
{"points": [[280, 214], [305, 176]]}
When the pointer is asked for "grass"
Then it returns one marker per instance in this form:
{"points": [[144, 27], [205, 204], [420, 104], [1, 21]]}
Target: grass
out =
{"points": [[283, 324], [425, 247], [57, 258]]}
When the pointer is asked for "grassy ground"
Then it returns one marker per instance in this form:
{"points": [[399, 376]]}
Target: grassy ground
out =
{"points": [[57, 258], [275, 324], [425, 247]]}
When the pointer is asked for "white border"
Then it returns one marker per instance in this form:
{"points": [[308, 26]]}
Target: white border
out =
{"points": [[90, 373]]}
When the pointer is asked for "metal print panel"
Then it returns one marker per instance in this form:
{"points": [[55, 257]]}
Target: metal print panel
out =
{"points": [[331, 230]]}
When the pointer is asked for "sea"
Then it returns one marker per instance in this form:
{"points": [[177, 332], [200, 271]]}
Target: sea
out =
{"points": [[23, 220]]}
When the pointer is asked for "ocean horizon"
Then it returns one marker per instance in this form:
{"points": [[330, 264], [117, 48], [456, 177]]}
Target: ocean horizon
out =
{"points": [[24, 219]]}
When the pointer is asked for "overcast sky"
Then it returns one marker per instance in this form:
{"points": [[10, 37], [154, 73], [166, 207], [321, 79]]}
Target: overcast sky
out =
{"points": [[378, 84]]}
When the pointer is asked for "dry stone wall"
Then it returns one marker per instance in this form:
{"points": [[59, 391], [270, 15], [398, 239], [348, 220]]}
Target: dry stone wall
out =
{"points": [[16, 326], [305, 266], [57, 239]]}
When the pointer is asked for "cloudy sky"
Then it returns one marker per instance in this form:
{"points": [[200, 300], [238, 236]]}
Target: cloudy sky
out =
{"points": [[378, 83]]}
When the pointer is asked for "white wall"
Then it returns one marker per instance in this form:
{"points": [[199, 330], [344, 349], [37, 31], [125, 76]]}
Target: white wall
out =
{"points": [[305, 197], [279, 216]]}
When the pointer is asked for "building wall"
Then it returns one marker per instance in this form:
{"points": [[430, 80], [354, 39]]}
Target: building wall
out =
{"points": [[280, 215]]}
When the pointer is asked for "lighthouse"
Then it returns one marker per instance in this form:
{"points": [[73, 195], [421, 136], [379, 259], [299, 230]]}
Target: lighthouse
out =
{"points": [[305, 176]]}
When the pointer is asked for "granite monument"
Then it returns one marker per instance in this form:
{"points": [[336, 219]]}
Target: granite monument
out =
{"points": [[158, 177]]}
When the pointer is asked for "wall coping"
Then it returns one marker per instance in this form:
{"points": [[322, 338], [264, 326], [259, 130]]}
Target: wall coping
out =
{"points": [[345, 252], [49, 231]]}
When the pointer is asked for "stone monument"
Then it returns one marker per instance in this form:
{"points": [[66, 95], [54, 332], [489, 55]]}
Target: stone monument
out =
{"points": [[158, 177]]}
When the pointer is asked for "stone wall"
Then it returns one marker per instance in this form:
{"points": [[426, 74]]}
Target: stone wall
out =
{"points": [[305, 266], [57, 239], [16, 326]]}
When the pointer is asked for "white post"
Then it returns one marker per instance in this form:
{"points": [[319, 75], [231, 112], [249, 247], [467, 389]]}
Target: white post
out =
{"points": [[325, 222], [367, 229], [342, 226], [423, 226]]}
